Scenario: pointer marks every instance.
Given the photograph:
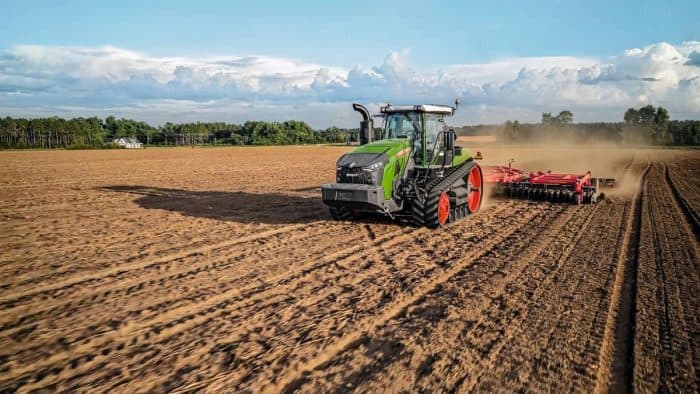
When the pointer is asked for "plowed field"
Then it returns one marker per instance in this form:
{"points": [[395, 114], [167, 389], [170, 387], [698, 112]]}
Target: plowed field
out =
{"points": [[220, 270]]}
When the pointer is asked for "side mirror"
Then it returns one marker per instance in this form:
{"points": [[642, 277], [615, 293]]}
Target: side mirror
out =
{"points": [[449, 142]]}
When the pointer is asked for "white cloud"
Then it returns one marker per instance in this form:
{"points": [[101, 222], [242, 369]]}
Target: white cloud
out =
{"points": [[73, 81]]}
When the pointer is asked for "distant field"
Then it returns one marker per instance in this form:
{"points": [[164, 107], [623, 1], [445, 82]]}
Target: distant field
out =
{"points": [[477, 139], [219, 268]]}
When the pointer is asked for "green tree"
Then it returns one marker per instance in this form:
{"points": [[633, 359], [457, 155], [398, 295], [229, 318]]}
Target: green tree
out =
{"points": [[565, 118], [660, 126]]}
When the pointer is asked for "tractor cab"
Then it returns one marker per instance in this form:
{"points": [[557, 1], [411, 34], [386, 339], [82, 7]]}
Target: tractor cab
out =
{"points": [[423, 126]]}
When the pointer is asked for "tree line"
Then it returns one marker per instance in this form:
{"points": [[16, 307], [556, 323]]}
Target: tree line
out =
{"points": [[55, 132], [645, 125]]}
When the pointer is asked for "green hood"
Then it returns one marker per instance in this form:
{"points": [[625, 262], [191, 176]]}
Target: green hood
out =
{"points": [[389, 147]]}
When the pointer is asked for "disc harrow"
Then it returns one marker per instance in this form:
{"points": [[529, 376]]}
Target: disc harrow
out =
{"points": [[511, 182]]}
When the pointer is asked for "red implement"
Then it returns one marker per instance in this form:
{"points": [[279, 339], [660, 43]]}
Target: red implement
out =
{"points": [[546, 186], [503, 174]]}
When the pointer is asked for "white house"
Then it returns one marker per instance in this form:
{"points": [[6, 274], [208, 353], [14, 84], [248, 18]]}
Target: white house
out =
{"points": [[129, 143]]}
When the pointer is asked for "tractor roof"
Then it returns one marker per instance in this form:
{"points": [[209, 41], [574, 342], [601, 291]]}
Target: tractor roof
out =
{"points": [[428, 108]]}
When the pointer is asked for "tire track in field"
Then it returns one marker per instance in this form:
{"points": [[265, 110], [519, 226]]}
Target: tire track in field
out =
{"points": [[405, 267], [175, 320], [125, 273], [616, 358], [360, 290], [8, 299], [684, 273], [295, 375], [665, 347], [29, 274], [553, 345], [118, 293], [691, 216], [182, 320], [461, 311], [371, 290]]}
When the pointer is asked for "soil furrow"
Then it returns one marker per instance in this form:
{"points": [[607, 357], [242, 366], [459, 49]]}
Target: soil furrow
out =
{"points": [[665, 347], [73, 318], [106, 285], [692, 217], [616, 361], [132, 282], [19, 295], [453, 313], [297, 374]]}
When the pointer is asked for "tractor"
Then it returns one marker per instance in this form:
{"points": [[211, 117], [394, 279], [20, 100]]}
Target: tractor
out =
{"points": [[414, 171]]}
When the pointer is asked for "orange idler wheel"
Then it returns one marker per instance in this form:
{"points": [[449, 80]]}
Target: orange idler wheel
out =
{"points": [[443, 208], [475, 180]]}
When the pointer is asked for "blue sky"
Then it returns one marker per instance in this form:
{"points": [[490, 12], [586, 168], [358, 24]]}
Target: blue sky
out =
{"points": [[225, 60]]}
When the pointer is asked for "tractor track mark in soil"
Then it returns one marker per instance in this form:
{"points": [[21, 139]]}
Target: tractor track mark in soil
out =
{"points": [[616, 360], [193, 314], [40, 274], [492, 274], [666, 330], [691, 216], [166, 268], [164, 331], [80, 279], [116, 295], [296, 375], [188, 300], [534, 296], [362, 283]]}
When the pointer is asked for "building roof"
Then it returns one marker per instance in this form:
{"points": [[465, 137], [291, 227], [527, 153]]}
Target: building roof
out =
{"points": [[127, 140], [428, 108]]}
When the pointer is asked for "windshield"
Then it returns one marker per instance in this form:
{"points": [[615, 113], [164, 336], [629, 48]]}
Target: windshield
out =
{"points": [[433, 127], [402, 125]]}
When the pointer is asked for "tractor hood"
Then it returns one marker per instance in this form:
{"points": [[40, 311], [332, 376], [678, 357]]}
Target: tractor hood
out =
{"points": [[388, 147]]}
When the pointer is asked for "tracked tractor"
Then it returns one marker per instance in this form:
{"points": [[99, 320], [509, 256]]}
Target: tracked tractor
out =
{"points": [[413, 172]]}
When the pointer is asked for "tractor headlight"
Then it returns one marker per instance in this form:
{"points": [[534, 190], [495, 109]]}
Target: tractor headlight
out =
{"points": [[372, 172], [373, 167]]}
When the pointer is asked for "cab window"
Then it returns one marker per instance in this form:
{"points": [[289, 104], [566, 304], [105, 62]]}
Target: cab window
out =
{"points": [[402, 125], [433, 126]]}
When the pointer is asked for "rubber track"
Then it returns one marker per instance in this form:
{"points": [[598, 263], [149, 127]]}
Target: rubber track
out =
{"points": [[425, 210]]}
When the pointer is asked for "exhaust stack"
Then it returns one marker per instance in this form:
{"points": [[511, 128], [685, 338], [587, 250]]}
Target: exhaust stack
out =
{"points": [[366, 125]]}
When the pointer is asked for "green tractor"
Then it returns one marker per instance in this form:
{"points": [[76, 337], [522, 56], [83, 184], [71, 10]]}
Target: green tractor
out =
{"points": [[413, 172]]}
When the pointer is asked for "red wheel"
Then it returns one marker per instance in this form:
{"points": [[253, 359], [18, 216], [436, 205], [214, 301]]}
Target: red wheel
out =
{"points": [[443, 208], [475, 180]]}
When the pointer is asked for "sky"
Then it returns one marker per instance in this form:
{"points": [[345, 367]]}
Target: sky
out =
{"points": [[234, 61]]}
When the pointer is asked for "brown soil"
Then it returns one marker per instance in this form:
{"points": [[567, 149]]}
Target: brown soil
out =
{"points": [[220, 270]]}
